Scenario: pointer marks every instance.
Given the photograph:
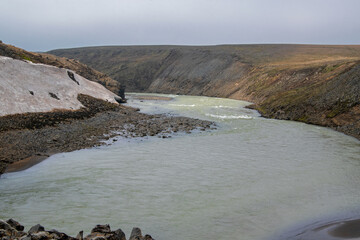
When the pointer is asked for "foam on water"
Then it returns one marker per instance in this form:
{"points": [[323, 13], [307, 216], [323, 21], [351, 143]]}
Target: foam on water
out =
{"points": [[246, 180], [229, 116]]}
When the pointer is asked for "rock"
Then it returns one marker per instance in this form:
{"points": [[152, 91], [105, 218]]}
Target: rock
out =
{"points": [[53, 95], [120, 235], [101, 229], [135, 234], [104, 232], [2, 233], [15, 224], [58, 235], [37, 232], [120, 100], [36, 228], [20, 234], [148, 237], [121, 91], [5, 226], [72, 77], [80, 235], [26, 238]]}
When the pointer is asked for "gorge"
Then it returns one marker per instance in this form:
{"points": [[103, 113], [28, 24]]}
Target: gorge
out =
{"points": [[317, 84]]}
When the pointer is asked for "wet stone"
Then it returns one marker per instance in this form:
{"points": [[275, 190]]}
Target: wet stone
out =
{"points": [[36, 228]]}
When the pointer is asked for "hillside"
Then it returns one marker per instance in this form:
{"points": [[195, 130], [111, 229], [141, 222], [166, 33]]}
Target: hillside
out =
{"points": [[28, 87], [309, 83], [49, 109], [48, 59]]}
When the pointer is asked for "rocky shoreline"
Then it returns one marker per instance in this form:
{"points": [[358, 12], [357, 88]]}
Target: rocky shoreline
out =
{"points": [[12, 229], [315, 84], [26, 139]]}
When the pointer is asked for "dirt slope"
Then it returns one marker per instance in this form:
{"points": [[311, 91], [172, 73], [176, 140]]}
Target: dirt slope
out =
{"points": [[309, 83]]}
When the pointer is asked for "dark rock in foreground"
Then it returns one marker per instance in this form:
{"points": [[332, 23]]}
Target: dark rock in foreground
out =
{"points": [[11, 229]]}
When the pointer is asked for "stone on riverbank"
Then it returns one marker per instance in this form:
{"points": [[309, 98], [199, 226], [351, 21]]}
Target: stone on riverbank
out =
{"points": [[11, 229]]}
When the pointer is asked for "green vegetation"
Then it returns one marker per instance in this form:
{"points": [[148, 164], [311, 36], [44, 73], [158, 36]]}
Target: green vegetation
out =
{"points": [[303, 118], [340, 107], [24, 57], [273, 72], [329, 68]]}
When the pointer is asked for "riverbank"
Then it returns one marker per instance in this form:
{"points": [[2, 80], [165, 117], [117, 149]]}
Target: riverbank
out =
{"points": [[27, 139], [12, 229], [327, 230], [315, 84]]}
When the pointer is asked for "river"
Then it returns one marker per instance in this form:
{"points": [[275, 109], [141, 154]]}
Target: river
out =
{"points": [[248, 180]]}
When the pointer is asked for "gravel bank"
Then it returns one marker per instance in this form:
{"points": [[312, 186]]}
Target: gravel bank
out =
{"points": [[28, 139]]}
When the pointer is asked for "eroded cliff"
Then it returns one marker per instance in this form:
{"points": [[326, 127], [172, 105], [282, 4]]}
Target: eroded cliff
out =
{"points": [[309, 83]]}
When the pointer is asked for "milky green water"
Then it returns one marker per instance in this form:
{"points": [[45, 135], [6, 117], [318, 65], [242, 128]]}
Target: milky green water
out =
{"points": [[246, 180]]}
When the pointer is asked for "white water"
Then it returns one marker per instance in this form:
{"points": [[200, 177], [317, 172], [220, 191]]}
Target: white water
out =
{"points": [[246, 180]]}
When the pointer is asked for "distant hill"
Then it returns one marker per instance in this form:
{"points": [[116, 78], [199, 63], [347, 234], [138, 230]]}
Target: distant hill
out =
{"points": [[309, 83]]}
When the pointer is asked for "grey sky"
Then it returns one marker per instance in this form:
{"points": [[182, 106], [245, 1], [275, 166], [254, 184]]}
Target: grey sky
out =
{"points": [[41, 25]]}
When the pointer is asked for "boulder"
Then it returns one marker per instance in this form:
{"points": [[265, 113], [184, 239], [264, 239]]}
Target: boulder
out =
{"points": [[104, 232], [80, 235], [101, 229], [135, 234], [5, 226], [120, 100], [15, 224], [36, 228], [148, 237], [120, 235]]}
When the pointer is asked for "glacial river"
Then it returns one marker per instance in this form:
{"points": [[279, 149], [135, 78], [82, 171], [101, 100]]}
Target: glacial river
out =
{"points": [[250, 179]]}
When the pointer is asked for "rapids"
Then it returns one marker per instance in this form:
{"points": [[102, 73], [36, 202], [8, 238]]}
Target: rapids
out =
{"points": [[247, 180]]}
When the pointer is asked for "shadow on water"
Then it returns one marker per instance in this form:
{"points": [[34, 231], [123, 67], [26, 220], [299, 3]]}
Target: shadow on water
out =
{"points": [[340, 227]]}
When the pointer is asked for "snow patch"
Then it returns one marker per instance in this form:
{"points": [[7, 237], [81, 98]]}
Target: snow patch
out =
{"points": [[29, 87]]}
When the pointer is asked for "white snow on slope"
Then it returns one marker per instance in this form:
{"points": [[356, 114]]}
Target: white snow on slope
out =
{"points": [[19, 78]]}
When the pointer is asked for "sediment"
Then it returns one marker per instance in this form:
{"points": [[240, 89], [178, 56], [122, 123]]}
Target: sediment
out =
{"points": [[316, 84], [12, 229], [26, 139]]}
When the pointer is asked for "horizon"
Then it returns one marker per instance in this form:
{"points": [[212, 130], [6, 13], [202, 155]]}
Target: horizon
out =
{"points": [[210, 45], [87, 23]]}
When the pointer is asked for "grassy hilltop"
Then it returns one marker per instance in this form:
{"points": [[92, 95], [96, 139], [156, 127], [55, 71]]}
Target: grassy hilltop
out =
{"points": [[309, 83]]}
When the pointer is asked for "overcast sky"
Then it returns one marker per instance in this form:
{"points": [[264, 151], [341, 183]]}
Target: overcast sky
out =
{"points": [[41, 25]]}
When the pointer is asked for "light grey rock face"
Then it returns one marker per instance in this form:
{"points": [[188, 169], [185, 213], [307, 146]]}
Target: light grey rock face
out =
{"points": [[28, 87], [36, 228]]}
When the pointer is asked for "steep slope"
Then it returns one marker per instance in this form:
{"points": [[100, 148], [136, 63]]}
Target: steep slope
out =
{"points": [[80, 68], [310, 83], [28, 87], [48, 109]]}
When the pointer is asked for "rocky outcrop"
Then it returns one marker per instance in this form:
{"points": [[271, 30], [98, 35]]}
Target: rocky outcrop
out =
{"points": [[309, 83], [11, 229]]}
